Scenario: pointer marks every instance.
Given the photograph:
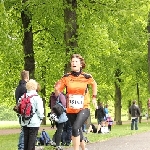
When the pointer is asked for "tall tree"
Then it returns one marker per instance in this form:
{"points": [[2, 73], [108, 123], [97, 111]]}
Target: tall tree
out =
{"points": [[26, 17], [103, 27], [148, 28], [118, 97], [70, 35]]}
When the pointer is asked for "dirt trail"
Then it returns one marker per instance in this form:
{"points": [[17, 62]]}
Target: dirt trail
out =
{"points": [[14, 131]]}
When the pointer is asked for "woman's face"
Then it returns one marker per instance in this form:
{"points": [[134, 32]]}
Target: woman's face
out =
{"points": [[75, 64]]}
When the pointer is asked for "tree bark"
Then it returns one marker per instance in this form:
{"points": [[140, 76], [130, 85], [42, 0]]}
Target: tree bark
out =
{"points": [[43, 92], [148, 28], [139, 102], [118, 98], [28, 40], [28, 50], [129, 104], [70, 35]]}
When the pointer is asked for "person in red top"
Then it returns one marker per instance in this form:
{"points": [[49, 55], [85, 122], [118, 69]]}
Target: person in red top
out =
{"points": [[76, 83]]}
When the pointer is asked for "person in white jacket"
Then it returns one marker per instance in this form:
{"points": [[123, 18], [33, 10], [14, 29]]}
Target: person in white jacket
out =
{"points": [[31, 126]]}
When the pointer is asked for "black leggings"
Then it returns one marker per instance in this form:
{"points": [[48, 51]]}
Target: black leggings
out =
{"points": [[77, 120]]}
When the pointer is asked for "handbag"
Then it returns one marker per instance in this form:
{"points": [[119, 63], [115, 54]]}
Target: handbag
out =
{"points": [[58, 109], [62, 118]]}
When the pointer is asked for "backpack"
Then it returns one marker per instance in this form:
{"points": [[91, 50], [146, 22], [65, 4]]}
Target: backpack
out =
{"points": [[44, 138], [24, 107]]}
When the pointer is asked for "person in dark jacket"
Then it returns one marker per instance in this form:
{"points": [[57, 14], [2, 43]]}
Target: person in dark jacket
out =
{"points": [[56, 140], [135, 113], [100, 113], [20, 90], [51, 104]]}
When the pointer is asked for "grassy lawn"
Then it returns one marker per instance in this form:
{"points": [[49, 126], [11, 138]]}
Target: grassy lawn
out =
{"points": [[9, 142], [118, 131]]}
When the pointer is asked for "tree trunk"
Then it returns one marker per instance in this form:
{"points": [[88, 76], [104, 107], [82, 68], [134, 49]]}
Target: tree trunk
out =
{"points": [[148, 107], [115, 111], [43, 92], [70, 35], [118, 98], [148, 28], [28, 40], [129, 104], [139, 102]]}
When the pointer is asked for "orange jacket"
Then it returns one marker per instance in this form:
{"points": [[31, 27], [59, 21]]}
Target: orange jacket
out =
{"points": [[76, 85]]}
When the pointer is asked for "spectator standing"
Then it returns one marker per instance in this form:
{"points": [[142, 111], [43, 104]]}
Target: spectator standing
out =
{"points": [[56, 140], [20, 90], [135, 113], [66, 134], [31, 126], [106, 110], [52, 101], [100, 113]]}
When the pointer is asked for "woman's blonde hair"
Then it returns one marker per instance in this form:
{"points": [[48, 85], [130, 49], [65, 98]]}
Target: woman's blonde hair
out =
{"points": [[31, 85], [81, 59]]}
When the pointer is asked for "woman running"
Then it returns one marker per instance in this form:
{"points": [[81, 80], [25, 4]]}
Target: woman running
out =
{"points": [[76, 83]]}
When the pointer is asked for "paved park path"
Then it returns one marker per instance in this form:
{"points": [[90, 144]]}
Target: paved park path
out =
{"points": [[134, 142]]}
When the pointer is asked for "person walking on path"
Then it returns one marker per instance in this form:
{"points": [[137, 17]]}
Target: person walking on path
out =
{"points": [[78, 103], [20, 90], [135, 113]]}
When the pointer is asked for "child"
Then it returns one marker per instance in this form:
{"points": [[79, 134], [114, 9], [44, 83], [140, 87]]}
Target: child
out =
{"points": [[110, 122]]}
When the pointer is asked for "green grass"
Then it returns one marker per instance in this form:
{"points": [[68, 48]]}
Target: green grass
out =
{"points": [[9, 124], [118, 131], [9, 142]]}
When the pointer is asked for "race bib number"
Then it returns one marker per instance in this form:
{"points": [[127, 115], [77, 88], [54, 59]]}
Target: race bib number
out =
{"points": [[76, 101]]}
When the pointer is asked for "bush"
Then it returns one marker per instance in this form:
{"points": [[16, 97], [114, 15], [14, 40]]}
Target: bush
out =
{"points": [[7, 114]]}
